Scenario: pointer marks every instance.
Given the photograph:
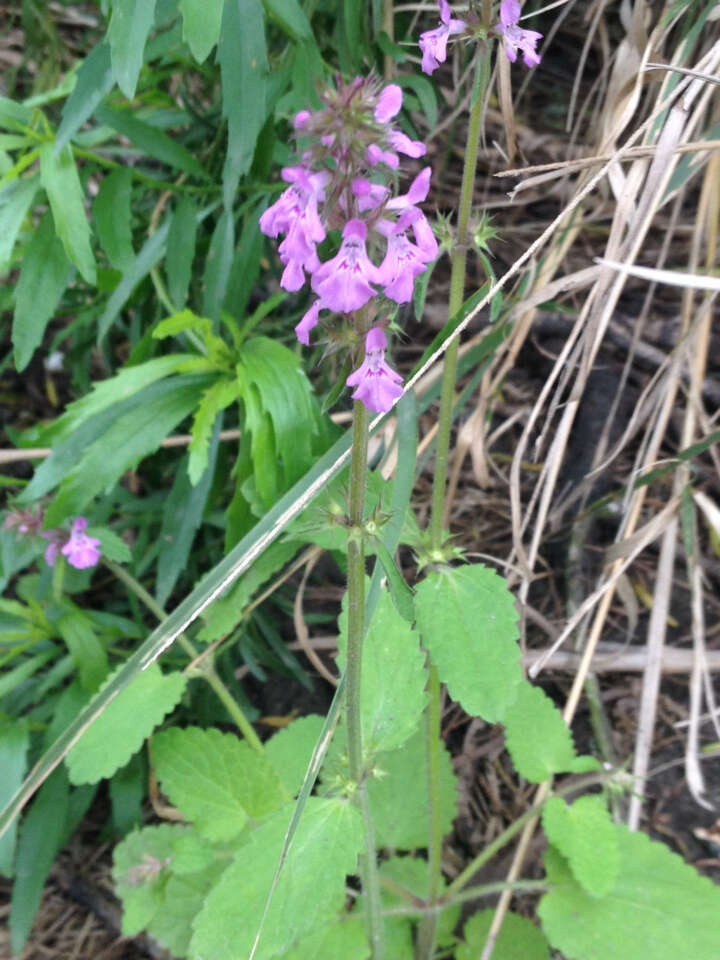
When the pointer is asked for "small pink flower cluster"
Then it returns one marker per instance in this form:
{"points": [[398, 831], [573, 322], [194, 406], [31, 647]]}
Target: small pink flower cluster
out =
{"points": [[433, 43], [516, 39], [344, 182], [81, 550]]}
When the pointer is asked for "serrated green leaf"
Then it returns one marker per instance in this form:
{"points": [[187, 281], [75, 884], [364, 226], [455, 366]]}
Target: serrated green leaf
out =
{"points": [[85, 648], [111, 209], [130, 438], [201, 25], [393, 694], [180, 322], [43, 275], [324, 851], [40, 839], [59, 177], [343, 939], [468, 622], [215, 399], [15, 200], [216, 780], [659, 907], [290, 750], [585, 835], [94, 81], [141, 870], [181, 249], [127, 792], [519, 939], [150, 140], [225, 613], [108, 393], [244, 68], [112, 547], [182, 516], [537, 737], [403, 772], [129, 29], [291, 18], [125, 723], [14, 741], [184, 898]]}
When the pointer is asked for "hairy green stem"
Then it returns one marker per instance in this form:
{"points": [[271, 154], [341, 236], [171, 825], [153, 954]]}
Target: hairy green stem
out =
{"points": [[353, 674], [458, 262], [205, 669]]}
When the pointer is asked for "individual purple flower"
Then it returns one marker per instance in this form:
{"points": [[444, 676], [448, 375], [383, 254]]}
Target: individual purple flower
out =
{"points": [[416, 194], [376, 384], [389, 103], [369, 195], [301, 119], [343, 283], [81, 550], [433, 43], [375, 155], [405, 260], [403, 144], [308, 323], [516, 39]]}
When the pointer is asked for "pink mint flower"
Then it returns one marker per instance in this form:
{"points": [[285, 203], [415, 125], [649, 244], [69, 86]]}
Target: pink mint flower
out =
{"points": [[308, 323], [433, 43], [301, 119], [403, 144], [404, 260], [516, 39], [343, 283], [416, 194], [81, 550], [376, 384], [375, 155], [389, 103], [295, 213]]}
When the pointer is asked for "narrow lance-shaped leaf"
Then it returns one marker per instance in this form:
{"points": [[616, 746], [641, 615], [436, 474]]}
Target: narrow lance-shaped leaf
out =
{"points": [[15, 200], [113, 217], [60, 178], [182, 517], [244, 66], [43, 276], [181, 251], [94, 81], [201, 25], [129, 28]]}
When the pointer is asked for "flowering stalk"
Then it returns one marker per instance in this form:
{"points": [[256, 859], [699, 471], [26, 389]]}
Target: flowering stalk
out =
{"points": [[353, 674]]}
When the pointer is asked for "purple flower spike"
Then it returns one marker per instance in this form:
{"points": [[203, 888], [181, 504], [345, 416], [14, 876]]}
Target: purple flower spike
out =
{"points": [[516, 39], [433, 43], [343, 283], [389, 103], [376, 384], [81, 550]]}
